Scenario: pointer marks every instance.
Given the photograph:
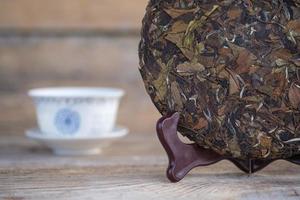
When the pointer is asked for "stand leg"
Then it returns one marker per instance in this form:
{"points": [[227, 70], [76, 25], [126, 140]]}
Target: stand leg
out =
{"points": [[182, 157], [250, 166], [295, 159]]}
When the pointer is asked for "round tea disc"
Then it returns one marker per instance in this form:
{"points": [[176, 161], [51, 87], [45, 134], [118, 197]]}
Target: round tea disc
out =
{"points": [[230, 68]]}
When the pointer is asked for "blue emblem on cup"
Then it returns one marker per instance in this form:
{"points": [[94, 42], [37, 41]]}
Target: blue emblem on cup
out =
{"points": [[67, 121]]}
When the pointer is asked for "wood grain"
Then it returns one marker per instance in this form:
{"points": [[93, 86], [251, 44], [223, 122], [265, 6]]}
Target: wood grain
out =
{"points": [[71, 61], [70, 43], [133, 168], [71, 14]]}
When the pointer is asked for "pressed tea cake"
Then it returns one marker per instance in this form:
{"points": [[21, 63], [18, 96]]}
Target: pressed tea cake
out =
{"points": [[230, 68]]}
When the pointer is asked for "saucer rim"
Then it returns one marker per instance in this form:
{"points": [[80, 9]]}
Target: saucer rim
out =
{"points": [[36, 133]]}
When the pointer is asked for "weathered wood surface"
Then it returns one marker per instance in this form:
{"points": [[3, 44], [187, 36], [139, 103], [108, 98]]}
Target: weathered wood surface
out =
{"points": [[29, 15], [70, 43], [71, 61], [133, 168]]}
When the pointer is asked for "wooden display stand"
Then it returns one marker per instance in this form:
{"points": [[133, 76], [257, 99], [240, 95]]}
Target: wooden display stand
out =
{"points": [[184, 157]]}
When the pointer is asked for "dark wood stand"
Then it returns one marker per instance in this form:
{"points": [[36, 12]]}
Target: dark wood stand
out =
{"points": [[184, 157]]}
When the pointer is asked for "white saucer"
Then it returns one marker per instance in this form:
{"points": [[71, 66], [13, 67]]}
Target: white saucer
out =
{"points": [[76, 146]]}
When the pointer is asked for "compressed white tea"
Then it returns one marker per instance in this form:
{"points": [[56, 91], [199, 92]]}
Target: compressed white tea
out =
{"points": [[230, 68]]}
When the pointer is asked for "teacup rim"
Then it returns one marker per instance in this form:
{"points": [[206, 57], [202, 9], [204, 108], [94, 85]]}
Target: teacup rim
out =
{"points": [[76, 92]]}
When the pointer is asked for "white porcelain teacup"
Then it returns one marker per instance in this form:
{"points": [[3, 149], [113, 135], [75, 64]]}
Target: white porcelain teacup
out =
{"points": [[77, 111]]}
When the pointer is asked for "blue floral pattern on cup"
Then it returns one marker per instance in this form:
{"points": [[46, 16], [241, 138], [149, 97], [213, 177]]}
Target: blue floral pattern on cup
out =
{"points": [[67, 121]]}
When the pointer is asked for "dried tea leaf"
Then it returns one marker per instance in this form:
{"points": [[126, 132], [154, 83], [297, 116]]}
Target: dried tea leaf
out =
{"points": [[176, 96], [294, 26], [178, 27], [244, 61], [202, 123], [177, 40], [161, 83], [189, 68], [197, 23], [235, 82], [265, 143], [294, 95], [234, 13], [175, 12], [234, 146], [283, 54], [276, 83]]}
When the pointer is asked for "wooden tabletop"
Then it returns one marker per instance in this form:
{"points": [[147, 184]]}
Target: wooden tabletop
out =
{"points": [[94, 43], [131, 168]]}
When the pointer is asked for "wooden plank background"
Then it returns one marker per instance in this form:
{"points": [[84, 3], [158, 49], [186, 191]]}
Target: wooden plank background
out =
{"points": [[94, 43], [74, 14], [71, 43]]}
